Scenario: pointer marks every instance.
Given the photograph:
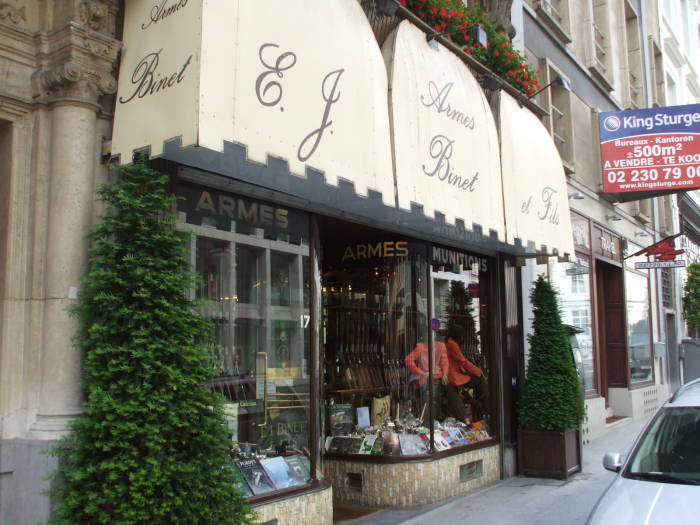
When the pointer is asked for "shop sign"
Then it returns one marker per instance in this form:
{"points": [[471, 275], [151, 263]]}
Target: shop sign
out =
{"points": [[370, 249], [650, 149], [659, 264], [221, 209], [445, 139], [607, 244], [213, 71], [374, 250], [664, 252], [448, 257], [534, 185]]}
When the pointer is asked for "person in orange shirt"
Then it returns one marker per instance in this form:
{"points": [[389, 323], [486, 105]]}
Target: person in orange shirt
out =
{"points": [[461, 369], [417, 362]]}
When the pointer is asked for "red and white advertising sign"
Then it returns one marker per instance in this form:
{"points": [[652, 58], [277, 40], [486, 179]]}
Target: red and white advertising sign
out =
{"points": [[646, 150]]}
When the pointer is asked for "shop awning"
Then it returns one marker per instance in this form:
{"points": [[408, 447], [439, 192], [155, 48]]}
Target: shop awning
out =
{"points": [[446, 153], [300, 81], [534, 185]]}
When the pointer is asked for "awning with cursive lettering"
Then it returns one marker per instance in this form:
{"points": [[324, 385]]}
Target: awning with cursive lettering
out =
{"points": [[301, 83], [446, 153], [534, 185]]}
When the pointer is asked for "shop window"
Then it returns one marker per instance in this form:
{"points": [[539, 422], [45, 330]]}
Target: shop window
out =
{"points": [[375, 303], [573, 280], [460, 307], [397, 373], [638, 322], [254, 288]]}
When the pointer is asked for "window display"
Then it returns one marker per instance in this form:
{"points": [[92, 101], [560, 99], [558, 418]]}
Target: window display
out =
{"points": [[254, 287], [459, 315], [379, 374]]}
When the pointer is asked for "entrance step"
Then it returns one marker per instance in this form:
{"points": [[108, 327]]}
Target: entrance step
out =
{"points": [[614, 421]]}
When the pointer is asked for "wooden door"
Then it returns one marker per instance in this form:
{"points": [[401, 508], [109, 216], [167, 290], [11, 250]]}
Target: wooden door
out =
{"points": [[612, 323]]}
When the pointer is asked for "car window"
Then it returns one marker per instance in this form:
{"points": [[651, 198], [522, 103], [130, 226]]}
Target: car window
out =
{"points": [[670, 447]]}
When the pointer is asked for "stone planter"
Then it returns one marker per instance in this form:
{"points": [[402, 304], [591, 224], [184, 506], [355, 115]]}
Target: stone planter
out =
{"points": [[549, 454]]}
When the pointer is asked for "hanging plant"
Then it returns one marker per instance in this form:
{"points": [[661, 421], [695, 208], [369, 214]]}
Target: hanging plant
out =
{"points": [[452, 16]]}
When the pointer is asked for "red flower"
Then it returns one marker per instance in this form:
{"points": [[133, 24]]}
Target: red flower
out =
{"points": [[436, 27], [403, 3], [495, 52], [511, 73], [467, 50], [434, 9], [504, 45], [443, 11]]}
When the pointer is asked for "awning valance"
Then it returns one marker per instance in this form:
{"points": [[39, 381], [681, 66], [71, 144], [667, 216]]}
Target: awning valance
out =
{"points": [[534, 184], [445, 139]]}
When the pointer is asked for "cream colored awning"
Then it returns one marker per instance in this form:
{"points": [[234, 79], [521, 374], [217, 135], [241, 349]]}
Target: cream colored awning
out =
{"points": [[301, 81], [446, 153], [534, 184]]}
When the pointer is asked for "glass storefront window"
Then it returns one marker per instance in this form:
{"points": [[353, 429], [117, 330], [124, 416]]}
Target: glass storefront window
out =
{"points": [[459, 307], [255, 289], [638, 327], [375, 317], [573, 282], [386, 355]]}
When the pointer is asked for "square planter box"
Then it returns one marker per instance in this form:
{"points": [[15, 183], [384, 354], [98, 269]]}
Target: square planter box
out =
{"points": [[549, 454]]}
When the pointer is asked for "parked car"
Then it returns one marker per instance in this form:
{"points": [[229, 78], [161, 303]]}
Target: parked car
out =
{"points": [[659, 481]]}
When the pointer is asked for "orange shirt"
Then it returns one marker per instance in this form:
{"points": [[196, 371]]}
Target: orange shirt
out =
{"points": [[457, 363], [417, 361]]}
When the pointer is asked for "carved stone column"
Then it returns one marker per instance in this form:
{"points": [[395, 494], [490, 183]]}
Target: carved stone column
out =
{"points": [[77, 71]]}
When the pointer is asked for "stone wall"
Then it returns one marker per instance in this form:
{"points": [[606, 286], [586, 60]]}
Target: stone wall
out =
{"points": [[314, 508], [410, 484]]}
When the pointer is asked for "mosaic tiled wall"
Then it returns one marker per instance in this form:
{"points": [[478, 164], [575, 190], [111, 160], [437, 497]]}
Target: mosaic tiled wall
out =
{"points": [[411, 484], [315, 508]]}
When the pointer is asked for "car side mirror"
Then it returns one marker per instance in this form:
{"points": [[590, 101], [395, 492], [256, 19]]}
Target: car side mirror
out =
{"points": [[613, 461]]}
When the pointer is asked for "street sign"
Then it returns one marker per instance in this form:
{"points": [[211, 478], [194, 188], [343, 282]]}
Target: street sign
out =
{"points": [[652, 149], [659, 264]]}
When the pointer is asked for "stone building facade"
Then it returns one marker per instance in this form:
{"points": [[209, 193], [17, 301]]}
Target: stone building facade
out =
{"points": [[57, 63]]}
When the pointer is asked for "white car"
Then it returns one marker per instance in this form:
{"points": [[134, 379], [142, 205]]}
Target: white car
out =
{"points": [[659, 482]]}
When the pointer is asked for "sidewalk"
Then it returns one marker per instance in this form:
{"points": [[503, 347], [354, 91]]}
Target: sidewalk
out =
{"points": [[523, 501]]}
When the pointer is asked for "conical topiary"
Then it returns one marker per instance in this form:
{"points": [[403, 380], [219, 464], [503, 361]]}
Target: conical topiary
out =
{"points": [[150, 447], [552, 397]]}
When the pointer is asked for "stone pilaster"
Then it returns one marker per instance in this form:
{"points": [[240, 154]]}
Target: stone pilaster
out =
{"points": [[77, 64]]}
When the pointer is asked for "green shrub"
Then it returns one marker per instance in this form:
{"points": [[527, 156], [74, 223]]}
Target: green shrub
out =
{"points": [[150, 447], [457, 20], [552, 397], [691, 300]]}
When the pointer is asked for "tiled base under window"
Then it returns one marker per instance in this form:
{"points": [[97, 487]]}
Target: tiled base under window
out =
{"points": [[314, 508], [412, 484]]}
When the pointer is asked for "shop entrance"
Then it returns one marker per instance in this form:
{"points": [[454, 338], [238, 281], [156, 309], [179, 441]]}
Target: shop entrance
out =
{"points": [[611, 328]]}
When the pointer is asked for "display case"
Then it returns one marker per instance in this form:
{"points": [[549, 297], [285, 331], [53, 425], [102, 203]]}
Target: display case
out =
{"points": [[405, 365]]}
